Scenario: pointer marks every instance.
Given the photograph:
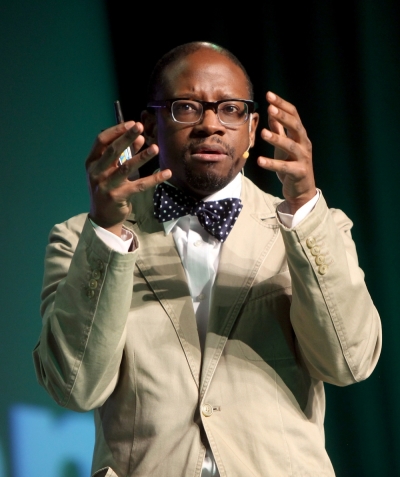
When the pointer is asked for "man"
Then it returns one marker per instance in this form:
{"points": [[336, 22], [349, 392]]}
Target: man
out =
{"points": [[204, 353]]}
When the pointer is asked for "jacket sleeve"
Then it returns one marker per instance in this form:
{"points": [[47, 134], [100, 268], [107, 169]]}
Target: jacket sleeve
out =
{"points": [[335, 321], [86, 296]]}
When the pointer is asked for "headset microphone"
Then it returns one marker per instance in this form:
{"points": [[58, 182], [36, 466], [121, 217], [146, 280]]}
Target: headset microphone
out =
{"points": [[246, 153]]}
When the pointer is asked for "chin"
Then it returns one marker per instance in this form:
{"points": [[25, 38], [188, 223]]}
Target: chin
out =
{"points": [[208, 182]]}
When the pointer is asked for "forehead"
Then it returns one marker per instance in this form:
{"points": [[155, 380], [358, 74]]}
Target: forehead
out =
{"points": [[204, 74]]}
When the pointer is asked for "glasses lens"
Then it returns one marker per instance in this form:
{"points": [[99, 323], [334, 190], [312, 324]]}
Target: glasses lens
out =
{"points": [[185, 111], [233, 112]]}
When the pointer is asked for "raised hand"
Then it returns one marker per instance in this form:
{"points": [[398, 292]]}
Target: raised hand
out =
{"points": [[109, 184], [292, 158]]}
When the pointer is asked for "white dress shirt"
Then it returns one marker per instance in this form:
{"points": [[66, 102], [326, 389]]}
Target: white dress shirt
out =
{"points": [[200, 253]]}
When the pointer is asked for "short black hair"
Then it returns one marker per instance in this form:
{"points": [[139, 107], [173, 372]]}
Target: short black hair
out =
{"points": [[157, 79]]}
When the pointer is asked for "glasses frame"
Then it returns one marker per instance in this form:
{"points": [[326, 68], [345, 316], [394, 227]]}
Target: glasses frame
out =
{"points": [[168, 103]]}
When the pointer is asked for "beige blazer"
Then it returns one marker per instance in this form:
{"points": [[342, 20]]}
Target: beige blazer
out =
{"points": [[289, 310]]}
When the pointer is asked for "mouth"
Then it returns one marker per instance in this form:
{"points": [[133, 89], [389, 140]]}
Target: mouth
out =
{"points": [[209, 152]]}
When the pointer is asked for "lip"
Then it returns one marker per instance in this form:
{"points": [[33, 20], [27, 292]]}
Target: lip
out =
{"points": [[208, 149], [209, 152]]}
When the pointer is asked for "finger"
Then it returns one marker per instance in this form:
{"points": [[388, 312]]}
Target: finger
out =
{"points": [[286, 114], [278, 129], [292, 124], [131, 138], [106, 137], [121, 173], [129, 188], [282, 167], [293, 149], [280, 103], [276, 126]]}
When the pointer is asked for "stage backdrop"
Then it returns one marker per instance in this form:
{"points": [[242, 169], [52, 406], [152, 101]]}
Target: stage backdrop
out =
{"points": [[63, 63], [57, 87]]}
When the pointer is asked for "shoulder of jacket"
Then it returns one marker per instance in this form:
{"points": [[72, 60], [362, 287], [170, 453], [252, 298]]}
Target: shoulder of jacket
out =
{"points": [[73, 225], [252, 192]]}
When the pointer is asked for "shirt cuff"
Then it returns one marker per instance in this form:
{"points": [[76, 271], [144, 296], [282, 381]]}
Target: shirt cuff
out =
{"points": [[290, 221], [119, 244]]}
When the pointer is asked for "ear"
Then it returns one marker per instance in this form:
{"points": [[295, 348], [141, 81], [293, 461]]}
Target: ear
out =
{"points": [[149, 122], [253, 123]]}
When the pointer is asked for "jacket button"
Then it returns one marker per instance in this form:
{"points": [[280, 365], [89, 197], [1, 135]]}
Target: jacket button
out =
{"points": [[322, 269], [92, 283], [310, 242], [90, 293], [320, 260], [207, 410], [96, 274], [315, 250]]}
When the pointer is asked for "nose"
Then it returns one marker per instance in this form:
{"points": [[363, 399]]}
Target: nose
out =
{"points": [[209, 124]]}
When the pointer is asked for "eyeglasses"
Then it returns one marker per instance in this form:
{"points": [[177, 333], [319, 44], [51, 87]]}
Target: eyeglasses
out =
{"points": [[231, 112]]}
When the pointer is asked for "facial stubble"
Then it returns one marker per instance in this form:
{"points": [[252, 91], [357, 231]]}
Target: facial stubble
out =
{"points": [[208, 181]]}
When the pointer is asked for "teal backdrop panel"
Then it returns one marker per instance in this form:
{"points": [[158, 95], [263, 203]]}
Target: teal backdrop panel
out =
{"points": [[56, 92]]}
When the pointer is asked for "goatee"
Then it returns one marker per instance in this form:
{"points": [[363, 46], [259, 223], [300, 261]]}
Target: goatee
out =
{"points": [[208, 181]]}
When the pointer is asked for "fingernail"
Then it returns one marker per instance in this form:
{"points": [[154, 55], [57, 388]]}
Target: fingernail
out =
{"points": [[128, 124], [166, 174], [273, 110], [261, 161], [267, 134], [272, 96]]}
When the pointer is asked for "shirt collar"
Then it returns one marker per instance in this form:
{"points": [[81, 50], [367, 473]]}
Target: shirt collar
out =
{"points": [[233, 189]]}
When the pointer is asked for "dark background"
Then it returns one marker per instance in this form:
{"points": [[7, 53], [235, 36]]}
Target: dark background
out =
{"points": [[64, 63]]}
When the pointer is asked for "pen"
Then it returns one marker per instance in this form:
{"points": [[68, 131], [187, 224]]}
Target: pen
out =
{"points": [[127, 154]]}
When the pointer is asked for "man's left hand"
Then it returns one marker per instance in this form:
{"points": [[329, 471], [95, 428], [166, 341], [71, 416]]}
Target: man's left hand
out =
{"points": [[292, 158]]}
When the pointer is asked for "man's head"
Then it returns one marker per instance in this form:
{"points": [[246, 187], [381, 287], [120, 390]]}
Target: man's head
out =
{"points": [[206, 155], [157, 78]]}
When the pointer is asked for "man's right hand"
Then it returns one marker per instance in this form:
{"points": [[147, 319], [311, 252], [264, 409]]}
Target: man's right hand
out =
{"points": [[109, 186]]}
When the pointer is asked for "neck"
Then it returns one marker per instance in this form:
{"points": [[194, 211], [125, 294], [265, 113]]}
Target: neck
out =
{"points": [[203, 189]]}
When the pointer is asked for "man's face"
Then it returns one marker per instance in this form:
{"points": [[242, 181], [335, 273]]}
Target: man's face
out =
{"points": [[206, 156]]}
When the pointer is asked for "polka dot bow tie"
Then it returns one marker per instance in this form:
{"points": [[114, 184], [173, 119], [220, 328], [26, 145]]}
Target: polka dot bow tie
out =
{"points": [[217, 217]]}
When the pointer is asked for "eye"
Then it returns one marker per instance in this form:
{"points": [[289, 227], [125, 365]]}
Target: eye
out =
{"points": [[229, 108], [232, 108], [186, 107]]}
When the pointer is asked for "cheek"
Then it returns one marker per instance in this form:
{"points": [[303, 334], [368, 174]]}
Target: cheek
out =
{"points": [[241, 143], [171, 146], [169, 135], [239, 164]]}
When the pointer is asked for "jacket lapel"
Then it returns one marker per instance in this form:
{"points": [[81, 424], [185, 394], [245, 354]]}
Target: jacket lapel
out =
{"points": [[242, 255], [161, 266]]}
